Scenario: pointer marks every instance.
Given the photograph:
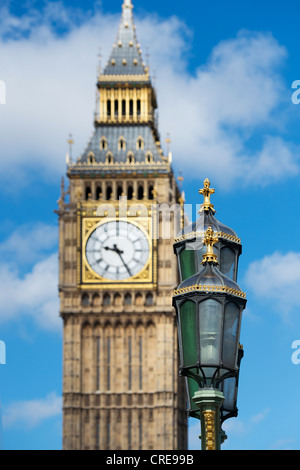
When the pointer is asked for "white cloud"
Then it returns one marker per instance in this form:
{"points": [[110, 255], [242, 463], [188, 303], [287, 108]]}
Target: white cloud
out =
{"points": [[260, 416], [234, 96], [29, 276], [275, 159], [275, 279], [211, 115], [234, 426], [284, 444], [34, 294], [50, 87], [31, 413], [28, 242]]}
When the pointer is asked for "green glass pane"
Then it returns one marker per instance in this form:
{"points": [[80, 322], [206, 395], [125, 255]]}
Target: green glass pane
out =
{"points": [[188, 326], [187, 264], [193, 387]]}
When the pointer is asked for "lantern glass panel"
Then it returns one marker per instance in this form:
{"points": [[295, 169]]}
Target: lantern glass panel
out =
{"points": [[188, 330], [227, 262], [192, 388], [231, 329], [187, 263], [210, 324], [229, 390]]}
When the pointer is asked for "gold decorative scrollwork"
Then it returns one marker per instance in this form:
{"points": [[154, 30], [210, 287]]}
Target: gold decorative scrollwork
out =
{"points": [[210, 429]]}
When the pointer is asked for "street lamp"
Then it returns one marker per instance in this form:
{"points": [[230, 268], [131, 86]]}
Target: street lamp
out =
{"points": [[189, 249], [209, 308]]}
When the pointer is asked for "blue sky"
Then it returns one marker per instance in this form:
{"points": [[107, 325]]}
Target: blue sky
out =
{"points": [[224, 72]]}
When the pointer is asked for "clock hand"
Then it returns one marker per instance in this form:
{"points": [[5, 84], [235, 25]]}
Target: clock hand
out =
{"points": [[129, 272], [120, 253], [115, 249]]}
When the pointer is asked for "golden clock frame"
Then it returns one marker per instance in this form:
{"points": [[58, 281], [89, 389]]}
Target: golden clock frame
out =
{"points": [[88, 221]]}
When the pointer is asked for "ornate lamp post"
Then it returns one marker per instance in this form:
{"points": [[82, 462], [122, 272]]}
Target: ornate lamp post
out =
{"points": [[209, 308]]}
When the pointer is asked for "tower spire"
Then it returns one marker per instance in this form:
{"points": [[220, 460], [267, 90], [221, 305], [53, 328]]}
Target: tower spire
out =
{"points": [[126, 105], [126, 56]]}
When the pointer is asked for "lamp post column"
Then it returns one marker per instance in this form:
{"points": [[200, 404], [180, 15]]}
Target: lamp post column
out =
{"points": [[209, 402]]}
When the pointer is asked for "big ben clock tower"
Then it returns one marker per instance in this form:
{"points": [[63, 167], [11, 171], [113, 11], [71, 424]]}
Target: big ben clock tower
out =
{"points": [[121, 389]]}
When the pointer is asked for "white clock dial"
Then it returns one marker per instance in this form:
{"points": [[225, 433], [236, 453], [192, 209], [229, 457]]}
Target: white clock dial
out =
{"points": [[117, 250]]}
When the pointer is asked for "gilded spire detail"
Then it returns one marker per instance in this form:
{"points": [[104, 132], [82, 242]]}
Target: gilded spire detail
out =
{"points": [[207, 191], [210, 240]]}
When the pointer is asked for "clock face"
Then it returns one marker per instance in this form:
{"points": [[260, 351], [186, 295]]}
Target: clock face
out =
{"points": [[117, 250]]}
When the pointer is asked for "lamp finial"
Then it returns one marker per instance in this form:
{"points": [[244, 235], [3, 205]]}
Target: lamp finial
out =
{"points": [[210, 240], [207, 191]]}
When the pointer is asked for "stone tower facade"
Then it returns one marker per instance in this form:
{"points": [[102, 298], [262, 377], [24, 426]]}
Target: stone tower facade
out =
{"points": [[117, 222]]}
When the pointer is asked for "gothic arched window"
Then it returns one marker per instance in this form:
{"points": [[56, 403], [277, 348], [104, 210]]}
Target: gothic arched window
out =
{"points": [[123, 108], [109, 158], [119, 192], [140, 143], [106, 300], [130, 158], [91, 158], [98, 192], [149, 299], [131, 107], [88, 193], [129, 193], [150, 192], [128, 299], [141, 192], [122, 143], [116, 108], [149, 157], [85, 300], [108, 193], [108, 108], [103, 143]]}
